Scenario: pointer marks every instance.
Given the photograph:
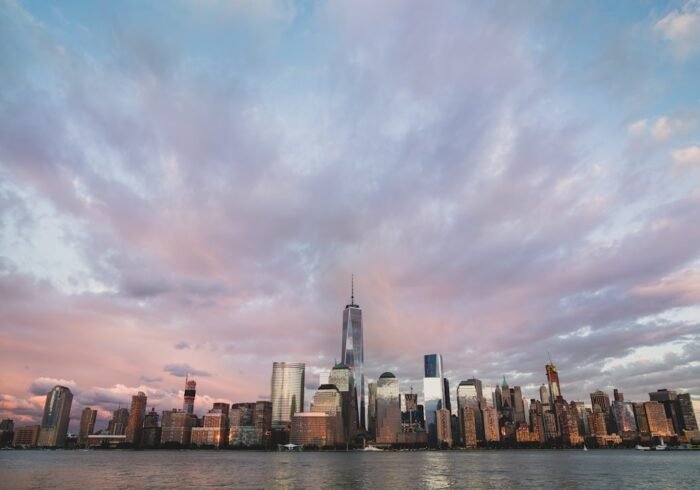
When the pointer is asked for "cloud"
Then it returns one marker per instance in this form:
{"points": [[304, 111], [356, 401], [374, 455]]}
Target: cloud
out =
{"points": [[182, 370], [41, 386], [689, 156], [182, 345], [151, 379], [681, 28]]}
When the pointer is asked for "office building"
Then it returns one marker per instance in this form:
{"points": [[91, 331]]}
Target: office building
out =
{"points": [[468, 416], [372, 409], [120, 419], [328, 400], [388, 409], [287, 392], [433, 394], [492, 431], [134, 428], [685, 403], [352, 351], [656, 417], [623, 412], [151, 430], [87, 425], [212, 432], [669, 400], [518, 406], [601, 399], [177, 427], [54, 422], [313, 429], [443, 424], [469, 394], [27, 436], [343, 378], [553, 383]]}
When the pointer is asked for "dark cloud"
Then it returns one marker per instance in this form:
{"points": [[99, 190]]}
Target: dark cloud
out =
{"points": [[182, 370]]}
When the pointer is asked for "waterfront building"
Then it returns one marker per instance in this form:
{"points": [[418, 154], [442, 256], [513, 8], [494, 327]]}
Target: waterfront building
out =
{"points": [[601, 399], [669, 400], [468, 417], [567, 421], [640, 416], [120, 419], [106, 440], [372, 409], [469, 394], [536, 421], [263, 421], [685, 403], [134, 428], [328, 400], [177, 427], [27, 436], [7, 432], [352, 350], [550, 425], [287, 392], [518, 406], [597, 422], [250, 424], [656, 417], [190, 392], [491, 430], [151, 429], [212, 431], [222, 407], [388, 409], [623, 412], [313, 429], [343, 378], [54, 422], [443, 423], [87, 425], [581, 417], [433, 393]]}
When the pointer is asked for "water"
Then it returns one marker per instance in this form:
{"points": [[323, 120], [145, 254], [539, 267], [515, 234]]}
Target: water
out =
{"points": [[401, 470]]}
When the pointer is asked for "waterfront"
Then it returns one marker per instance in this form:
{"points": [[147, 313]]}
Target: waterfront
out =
{"points": [[420, 469]]}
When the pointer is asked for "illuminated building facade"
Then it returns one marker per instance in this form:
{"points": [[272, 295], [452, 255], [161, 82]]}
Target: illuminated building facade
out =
{"points": [[177, 427], [87, 424], [352, 351], [287, 392], [388, 409], [313, 429], [54, 422], [443, 423], [134, 428], [433, 394]]}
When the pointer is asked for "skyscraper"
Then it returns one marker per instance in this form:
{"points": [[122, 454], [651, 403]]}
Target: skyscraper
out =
{"points": [[601, 399], [352, 352], [469, 394], [685, 402], [669, 399], [343, 378], [134, 428], [388, 409], [190, 392], [54, 423], [287, 392], [87, 425], [433, 393]]}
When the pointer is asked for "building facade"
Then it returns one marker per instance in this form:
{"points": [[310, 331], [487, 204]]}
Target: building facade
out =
{"points": [[137, 414], [54, 422], [287, 392], [388, 409], [87, 425], [352, 351]]}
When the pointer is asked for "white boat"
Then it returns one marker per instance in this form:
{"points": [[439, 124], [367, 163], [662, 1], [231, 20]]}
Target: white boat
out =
{"points": [[642, 448], [585, 448], [372, 448], [662, 446]]}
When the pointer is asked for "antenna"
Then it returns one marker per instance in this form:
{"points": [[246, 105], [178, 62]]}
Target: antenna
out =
{"points": [[550, 358], [352, 289]]}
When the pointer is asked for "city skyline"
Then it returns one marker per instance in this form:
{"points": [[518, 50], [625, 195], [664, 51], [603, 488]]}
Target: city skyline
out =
{"points": [[504, 180]]}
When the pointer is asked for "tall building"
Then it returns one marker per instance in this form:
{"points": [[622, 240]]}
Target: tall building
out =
{"points": [[87, 425], [263, 421], [685, 402], [468, 417], [553, 382], [120, 419], [640, 415], [190, 392], [313, 429], [372, 408], [433, 393], [212, 432], [601, 399], [177, 427], [518, 405], [656, 417], [328, 400], [669, 399], [343, 378], [491, 430], [134, 429], [151, 429], [54, 422], [544, 395], [443, 424], [287, 392], [623, 412], [469, 394], [352, 352], [388, 409], [27, 436]]}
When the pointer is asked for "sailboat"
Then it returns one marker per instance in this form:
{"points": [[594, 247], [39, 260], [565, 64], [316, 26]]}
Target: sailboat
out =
{"points": [[585, 448], [662, 446]]}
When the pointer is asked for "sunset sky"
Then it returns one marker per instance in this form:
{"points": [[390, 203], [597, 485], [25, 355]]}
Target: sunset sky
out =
{"points": [[187, 187]]}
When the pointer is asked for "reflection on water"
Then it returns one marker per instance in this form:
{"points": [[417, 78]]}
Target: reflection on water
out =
{"points": [[402, 470]]}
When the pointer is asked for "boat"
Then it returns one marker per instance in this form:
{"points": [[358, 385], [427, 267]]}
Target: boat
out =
{"points": [[585, 448], [661, 447], [372, 448], [642, 448]]}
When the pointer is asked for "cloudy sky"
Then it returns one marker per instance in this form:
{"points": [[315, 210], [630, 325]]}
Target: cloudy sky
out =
{"points": [[188, 186]]}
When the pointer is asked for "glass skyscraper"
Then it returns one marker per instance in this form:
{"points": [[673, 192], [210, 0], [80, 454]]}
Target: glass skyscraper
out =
{"points": [[433, 393], [287, 392], [352, 354], [54, 423]]}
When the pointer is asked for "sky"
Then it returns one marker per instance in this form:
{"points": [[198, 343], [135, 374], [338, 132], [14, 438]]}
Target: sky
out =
{"points": [[188, 186]]}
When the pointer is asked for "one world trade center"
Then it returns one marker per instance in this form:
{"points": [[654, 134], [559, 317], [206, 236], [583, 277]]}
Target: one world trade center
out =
{"points": [[352, 354]]}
